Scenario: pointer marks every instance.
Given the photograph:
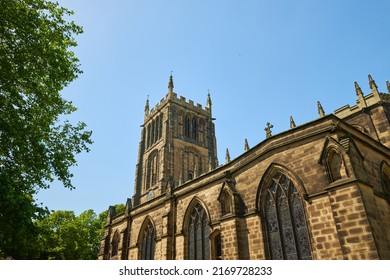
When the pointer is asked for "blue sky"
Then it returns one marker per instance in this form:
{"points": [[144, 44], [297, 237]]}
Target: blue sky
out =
{"points": [[262, 60]]}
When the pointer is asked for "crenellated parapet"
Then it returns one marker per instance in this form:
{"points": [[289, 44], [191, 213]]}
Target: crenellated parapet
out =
{"points": [[178, 100]]}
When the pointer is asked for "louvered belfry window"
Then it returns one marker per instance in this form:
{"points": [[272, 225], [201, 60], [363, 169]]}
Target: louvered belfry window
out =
{"points": [[148, 243], [198, 235], [288, 236]]}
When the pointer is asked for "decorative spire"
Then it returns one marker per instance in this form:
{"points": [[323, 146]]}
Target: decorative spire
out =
{"points": [[268, 132], [196, 171], [246, 147], [374, 88], [170, 84], [388, 86], [373, 85], [209, 103], [292, 123], [358, 90], [147, 106], [360, 95], [227, 156], [321, 111]]}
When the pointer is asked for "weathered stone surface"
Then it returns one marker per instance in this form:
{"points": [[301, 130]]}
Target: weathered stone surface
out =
{"points": [[336, 163]]}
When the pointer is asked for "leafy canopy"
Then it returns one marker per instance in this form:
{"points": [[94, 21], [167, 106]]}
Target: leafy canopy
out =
{"points": [[36, 144], [65, 236]]}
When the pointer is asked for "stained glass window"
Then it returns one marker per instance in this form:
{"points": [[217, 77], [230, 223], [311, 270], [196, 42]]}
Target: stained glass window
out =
{"points": [[288, 236], [198, 235], [148, 243]]}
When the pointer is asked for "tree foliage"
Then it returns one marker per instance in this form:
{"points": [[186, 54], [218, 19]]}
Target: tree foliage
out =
{"points": [[65, 236], [119, 209], [36, 145]]}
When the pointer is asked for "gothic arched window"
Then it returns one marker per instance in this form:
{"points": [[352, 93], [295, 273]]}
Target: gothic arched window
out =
{"points": [[115, 244], [148, 137], [198, 235], [157, 128], [194, 129], [161, 126], [152, 170], [201, 131], [148, 239], [187, 124], [286, 227], [153, 136]]}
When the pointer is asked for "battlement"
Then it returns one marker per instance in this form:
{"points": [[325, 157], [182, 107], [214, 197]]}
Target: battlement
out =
{"points": [[182, 101]]}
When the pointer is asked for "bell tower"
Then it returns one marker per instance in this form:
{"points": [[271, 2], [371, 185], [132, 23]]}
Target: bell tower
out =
{"points": [[178, 144]]}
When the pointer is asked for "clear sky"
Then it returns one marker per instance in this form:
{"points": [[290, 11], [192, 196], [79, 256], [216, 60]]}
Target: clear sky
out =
{"points": [[262, 60]]}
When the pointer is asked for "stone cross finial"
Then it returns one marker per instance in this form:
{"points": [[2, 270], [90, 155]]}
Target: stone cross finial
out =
{"points": [[292, 123], [321, 111], [268, 132]]}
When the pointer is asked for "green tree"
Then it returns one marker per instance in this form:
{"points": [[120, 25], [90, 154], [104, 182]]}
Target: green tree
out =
{"points": [[119, 209], [36, 144], [65, 236]]}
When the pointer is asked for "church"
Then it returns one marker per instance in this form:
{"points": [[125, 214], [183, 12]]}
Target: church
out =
{"points": [[319, 191]]}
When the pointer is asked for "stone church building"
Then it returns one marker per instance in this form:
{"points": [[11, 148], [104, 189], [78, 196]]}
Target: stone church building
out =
{"points": [[320, 190]]}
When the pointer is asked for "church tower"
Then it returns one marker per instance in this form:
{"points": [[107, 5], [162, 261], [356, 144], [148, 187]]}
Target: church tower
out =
{"points": [[177, 144]]}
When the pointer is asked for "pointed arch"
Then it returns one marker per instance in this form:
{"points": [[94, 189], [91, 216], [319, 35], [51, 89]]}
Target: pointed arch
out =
{"points": [[281, 206], [230, 200], [196, 230], [334, 158], [152, 169], [271, 171], [147, 240]]}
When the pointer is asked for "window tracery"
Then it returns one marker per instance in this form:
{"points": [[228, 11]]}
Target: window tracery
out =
{"points": [[148, 239], [286, 227], [198, 235]]}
